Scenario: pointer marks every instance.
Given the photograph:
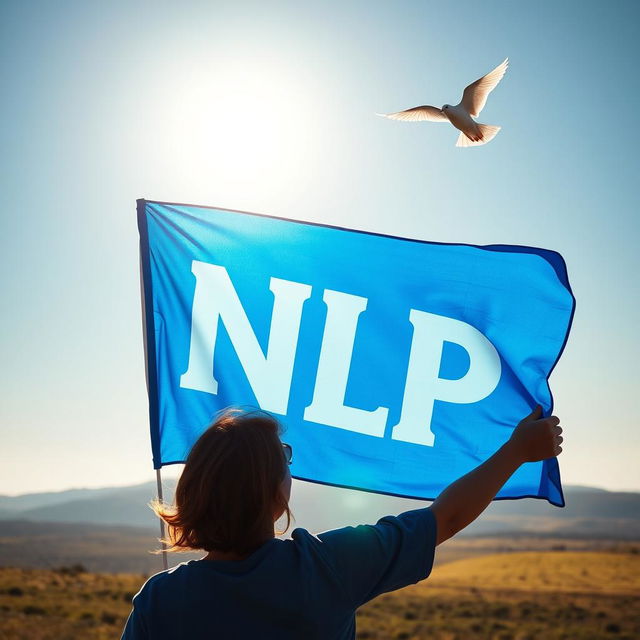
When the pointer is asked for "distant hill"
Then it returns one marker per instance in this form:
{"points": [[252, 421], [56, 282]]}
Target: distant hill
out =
{"points": [[125, 506], [590, 512], [112, 529], [35, 500], [122, 506], [48, 545]]}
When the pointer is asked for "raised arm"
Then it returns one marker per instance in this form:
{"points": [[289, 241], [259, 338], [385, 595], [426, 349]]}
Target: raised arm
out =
{"points": [[463, 501]]}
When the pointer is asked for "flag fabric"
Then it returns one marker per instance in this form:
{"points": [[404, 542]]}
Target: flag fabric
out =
{"points": [[394, 365]]}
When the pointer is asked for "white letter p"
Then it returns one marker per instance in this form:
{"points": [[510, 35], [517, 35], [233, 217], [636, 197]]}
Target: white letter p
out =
{"points": [[424, 386]]}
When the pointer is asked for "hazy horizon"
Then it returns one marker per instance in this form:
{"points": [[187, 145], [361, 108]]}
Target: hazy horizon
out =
{"points": [[174, 477]]}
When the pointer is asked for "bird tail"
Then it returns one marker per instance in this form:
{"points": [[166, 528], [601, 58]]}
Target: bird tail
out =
{"points": [[488, 131]]}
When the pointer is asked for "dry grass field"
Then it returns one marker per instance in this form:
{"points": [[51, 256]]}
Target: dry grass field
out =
{"points": [[565, 572], [572, 595], [65, 604], [515, 596]]}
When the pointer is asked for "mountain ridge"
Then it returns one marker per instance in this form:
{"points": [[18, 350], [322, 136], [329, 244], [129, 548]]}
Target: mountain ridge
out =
{"points": [[589, 512]]}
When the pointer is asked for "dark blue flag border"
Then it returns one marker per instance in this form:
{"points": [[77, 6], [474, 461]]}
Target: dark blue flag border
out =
{"points": [[554, 258]]}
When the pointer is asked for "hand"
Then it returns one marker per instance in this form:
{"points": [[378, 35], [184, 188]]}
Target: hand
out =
{"points": [[537, 438]]}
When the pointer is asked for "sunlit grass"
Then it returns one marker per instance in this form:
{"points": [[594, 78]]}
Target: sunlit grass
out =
{"points": [[569, 571]]}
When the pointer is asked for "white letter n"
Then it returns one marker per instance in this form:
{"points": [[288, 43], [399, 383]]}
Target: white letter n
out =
{"points": [[215, 299]]}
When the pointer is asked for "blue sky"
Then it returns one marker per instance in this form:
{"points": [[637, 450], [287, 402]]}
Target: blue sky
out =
{"points": [[269, 107]]}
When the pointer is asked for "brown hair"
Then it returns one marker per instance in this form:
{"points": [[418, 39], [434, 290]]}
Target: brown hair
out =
{"points": [[230, 486]]}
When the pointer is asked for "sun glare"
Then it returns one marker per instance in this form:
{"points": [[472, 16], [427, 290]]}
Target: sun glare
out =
{"points": [[244, 126]]}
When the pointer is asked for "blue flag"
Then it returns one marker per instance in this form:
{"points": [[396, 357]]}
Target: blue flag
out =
{"points": [[395, 365]]}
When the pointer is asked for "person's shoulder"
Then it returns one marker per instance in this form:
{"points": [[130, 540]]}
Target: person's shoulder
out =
{"points": [[159, 580], [303, 538], [298, 539], [303, 542], [416, 524], [302, 535]]}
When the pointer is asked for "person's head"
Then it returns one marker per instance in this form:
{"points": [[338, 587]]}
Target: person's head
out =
{"points": [[234, 486]]}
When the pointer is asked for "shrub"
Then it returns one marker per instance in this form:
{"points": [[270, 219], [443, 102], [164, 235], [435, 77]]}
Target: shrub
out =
{"points": [[502, 611], [32, 610], [72, 570], [108, 618]]}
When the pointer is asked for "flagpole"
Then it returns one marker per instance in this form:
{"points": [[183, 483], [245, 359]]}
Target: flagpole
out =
{"points": [[165, 562], [140, 207]]}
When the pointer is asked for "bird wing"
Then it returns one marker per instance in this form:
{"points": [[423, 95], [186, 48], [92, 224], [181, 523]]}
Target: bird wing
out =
{"points": [[475, 95], [417, 114]]}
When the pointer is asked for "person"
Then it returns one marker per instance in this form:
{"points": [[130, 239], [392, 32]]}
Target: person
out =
{"points": [[235, 486]]}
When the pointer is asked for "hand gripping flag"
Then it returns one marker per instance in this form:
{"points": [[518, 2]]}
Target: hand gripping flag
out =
{"points": [[395, 365]]}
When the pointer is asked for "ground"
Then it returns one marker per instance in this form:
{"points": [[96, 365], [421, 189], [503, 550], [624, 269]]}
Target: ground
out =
{"points": [[573, 595]]}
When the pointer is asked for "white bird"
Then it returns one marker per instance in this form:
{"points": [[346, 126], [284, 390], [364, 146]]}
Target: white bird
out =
{"points": [[473, 100]]}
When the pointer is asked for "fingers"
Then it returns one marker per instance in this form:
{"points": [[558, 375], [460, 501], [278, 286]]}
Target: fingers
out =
{"points": [[545, 430], [535, 414], [557, 440], [556, 430], [553, 424]]}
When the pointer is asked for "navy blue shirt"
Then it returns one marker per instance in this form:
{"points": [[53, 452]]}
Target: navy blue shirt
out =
{"points": [[305, 588]]}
